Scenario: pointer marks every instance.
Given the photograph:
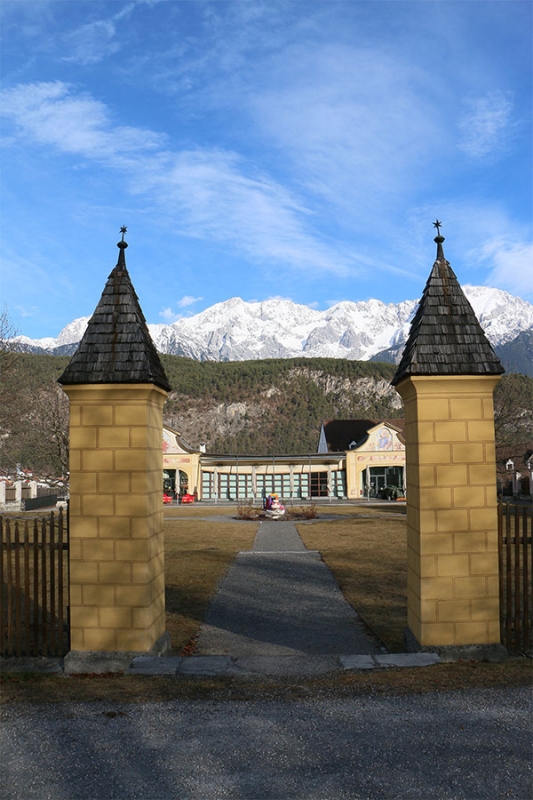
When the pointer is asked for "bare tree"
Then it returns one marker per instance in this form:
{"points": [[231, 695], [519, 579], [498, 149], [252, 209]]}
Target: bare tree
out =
{"points": [[9, 380], [513, 422], [34, 411]]}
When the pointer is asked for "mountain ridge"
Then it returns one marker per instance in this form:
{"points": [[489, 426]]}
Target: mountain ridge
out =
{"points": [[237, 330]]}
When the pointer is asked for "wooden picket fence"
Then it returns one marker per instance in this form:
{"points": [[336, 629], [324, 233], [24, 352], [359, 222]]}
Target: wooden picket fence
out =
{"points": [[34, 579], [516, 572]]}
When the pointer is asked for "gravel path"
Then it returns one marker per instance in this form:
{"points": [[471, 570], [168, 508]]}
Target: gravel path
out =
{"points": [[281, 599], [453, 746]]}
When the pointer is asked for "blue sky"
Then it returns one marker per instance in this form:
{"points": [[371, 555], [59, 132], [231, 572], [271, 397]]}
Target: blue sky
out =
{"points": [[260, 149]]}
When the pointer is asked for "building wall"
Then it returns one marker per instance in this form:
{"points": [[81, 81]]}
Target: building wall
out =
{"points": [[232, 479], [383, 449], [177, 457], [328, 475]]}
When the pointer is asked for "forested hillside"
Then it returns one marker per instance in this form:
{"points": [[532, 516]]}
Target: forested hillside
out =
{"points": [[272, 406], [263, 407]]}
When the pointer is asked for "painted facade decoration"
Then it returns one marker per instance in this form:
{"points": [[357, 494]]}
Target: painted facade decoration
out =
{"points": [[181, 465], [376, 466]]}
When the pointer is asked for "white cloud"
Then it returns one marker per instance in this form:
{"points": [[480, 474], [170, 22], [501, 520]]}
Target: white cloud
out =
{"points": [[358, 124], [188, 300], [170, 316], [52, 114], [215, 194], [511, 266], [91, 43], [486, 126], [94, 41]]}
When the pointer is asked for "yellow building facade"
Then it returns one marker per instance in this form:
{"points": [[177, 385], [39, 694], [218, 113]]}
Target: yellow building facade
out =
{"points": [[366, 469], [377, 464]]}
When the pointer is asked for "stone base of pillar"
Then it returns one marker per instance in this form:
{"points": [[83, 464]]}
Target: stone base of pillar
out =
{"points": [[100, 662], [461, 652]]}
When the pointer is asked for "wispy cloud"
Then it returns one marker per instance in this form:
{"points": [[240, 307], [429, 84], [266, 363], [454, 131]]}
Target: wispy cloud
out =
{"points": [[271, 144], [486, 126], [95, 41], [511, 266], [216, 194], [91, 43], [52, 113], [168, 316], [358, 125], [186, 302]]}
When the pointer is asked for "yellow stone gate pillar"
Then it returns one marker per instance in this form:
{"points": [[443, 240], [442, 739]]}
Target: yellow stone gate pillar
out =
{"points": [[446, 379], [116, 387]]}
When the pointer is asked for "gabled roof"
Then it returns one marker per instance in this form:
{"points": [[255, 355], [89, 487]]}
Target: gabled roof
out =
{"points": [[179, 441], [116, 347], [340, 433], [446, 337]]}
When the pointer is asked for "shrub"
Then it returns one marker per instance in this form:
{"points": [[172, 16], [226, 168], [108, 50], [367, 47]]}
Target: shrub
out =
{"points": [[303, 512], [247, 510]]}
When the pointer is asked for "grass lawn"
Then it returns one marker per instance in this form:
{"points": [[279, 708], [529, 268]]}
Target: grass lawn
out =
{"points": [[193, 510], [197, 556], [368, 558]]}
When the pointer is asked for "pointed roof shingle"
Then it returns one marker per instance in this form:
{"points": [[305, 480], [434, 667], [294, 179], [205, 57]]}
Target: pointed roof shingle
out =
{"points": [[116, 347], [446, 337]]}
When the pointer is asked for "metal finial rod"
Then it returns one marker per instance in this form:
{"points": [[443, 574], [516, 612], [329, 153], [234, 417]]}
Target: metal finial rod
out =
{"points": [[438, 225], [123, 231]]}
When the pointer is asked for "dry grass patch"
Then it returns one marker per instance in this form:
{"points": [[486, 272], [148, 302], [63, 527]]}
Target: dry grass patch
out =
{"points": [[136, 689], [197, 556], [361, 508], [369, 561], [199, 511]]}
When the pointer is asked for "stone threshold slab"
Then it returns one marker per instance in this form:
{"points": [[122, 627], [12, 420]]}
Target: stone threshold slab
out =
{"points": [[200, 666], [205, 666]]}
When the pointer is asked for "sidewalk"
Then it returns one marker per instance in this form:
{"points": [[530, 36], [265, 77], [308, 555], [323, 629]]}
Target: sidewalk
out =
{"points": [[280, 599], [279, 611]]}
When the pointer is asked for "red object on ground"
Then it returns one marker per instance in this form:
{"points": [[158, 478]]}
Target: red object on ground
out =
{"points": [[187, 498], [167, 498]]}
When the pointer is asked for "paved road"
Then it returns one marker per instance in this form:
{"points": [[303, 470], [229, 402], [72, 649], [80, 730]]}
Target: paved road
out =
{"points": [[453, 746], [280, 599]]}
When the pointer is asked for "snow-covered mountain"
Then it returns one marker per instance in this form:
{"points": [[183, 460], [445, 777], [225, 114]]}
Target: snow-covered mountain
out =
{"points": [[236, 330]]}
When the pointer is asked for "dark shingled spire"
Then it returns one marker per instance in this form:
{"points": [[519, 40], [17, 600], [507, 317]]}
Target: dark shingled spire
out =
{"points": [[446, 337], [117, 347]]}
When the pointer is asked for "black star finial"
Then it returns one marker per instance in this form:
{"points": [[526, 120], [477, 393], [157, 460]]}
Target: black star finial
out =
{"points": [[123, 230], [438, 226]]}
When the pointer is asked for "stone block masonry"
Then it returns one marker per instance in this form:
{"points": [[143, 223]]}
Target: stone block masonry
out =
{"points": [[116, 517], [453, 595]]}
